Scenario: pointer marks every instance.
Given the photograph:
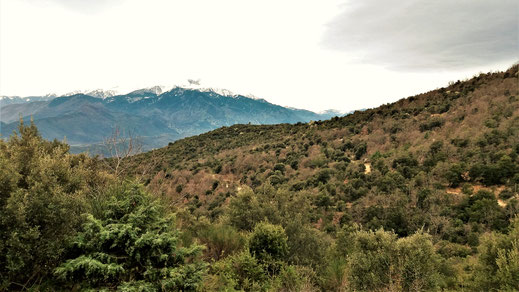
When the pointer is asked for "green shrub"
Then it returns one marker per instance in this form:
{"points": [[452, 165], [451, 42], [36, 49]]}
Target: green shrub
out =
{"points": [[133, 243], [431, 124], [268, 244], [380, 261], [454, 175], [306, 245], [506, 194], [450, 249], [497, 267], [245, 210], [324, 175], [372, 261], [43, 191], [241, 272], [292, 279], [220, 241], [360, 150], [279, 167]]}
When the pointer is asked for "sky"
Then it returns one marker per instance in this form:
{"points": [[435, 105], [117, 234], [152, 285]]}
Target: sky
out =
{"points": [[316, 55]]}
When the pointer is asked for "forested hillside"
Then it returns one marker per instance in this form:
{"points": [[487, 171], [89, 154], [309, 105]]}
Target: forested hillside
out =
{"points": [[452, 141], [444, 163], [418, 195]]}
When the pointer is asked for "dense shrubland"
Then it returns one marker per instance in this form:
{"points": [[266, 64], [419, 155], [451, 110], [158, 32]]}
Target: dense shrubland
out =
{"points": [[66, 224], [418, 195]]}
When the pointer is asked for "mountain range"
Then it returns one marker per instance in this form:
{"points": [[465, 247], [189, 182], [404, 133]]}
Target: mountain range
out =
{"points": [[155, 116]]}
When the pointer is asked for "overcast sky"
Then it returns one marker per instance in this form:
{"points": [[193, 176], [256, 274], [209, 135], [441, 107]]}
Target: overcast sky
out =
{"points": [[315, 55]]}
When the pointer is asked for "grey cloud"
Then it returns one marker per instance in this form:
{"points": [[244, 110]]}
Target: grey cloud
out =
{"points": [[193, 81], [428, 35]]}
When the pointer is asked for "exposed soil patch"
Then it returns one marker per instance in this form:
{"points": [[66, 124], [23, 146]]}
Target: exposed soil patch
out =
{"points": [[368, 168], [476, 188]]}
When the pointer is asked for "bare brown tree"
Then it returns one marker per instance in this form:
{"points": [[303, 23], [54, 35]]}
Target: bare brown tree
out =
{"points": [[120, 146]]}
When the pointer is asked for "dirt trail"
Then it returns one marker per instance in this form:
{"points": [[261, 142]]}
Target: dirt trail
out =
{"points": [[476, 188]]}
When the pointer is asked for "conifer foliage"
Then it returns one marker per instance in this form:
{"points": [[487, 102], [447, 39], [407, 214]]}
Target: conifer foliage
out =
{"points": [[67, 224], [132, 243]]}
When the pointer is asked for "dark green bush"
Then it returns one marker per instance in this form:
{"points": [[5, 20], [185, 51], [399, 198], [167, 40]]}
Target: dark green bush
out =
{"points": [[131, 243]]}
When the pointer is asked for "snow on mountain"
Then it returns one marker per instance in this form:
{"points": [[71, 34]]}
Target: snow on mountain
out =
{"points": [[224, 92], [150, 92], [5, 100], [99, 93], [3, 97], [195, 85], [157, 90]]}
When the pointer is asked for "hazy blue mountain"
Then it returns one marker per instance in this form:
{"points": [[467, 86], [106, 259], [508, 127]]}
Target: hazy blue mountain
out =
{"points": [[85, 120], [2, 125], [155, 116], [6, 100]]}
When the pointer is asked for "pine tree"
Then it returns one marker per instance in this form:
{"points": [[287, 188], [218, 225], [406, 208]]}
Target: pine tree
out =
{"points": [[131, 244]]}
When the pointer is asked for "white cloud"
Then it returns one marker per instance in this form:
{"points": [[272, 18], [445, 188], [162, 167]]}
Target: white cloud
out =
{"points": [[272, 49]]}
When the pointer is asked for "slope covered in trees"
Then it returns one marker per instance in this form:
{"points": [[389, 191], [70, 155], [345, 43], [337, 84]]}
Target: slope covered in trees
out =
{"points": [[444, 163], [419, 195], [433, 148], [65, 224]]}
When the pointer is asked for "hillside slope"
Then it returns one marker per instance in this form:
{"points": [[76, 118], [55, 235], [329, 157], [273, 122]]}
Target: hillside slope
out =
{"points": [[400, 166]]}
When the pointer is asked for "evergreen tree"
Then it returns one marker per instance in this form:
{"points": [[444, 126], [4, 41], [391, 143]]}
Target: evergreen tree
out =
{"points": [[131, 244], [43, 191]]}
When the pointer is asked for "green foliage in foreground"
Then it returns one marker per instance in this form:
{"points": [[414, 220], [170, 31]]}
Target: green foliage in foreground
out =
{"points": [[498, 261], [43, 192], [268, 244], [64, 224], [67, 225], [131, 244], [379, 260]]}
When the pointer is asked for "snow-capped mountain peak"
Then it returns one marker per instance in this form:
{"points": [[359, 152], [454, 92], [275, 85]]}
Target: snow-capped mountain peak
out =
{"points": [[157, 90], [8, 97], [98, 93]]}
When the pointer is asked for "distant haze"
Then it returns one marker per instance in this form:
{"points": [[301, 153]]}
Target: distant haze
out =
{"points": [[315, 55]]}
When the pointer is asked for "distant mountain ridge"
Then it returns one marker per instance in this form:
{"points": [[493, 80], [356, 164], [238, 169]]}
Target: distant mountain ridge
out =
{"points": [[6, 100], [156, 115]]}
